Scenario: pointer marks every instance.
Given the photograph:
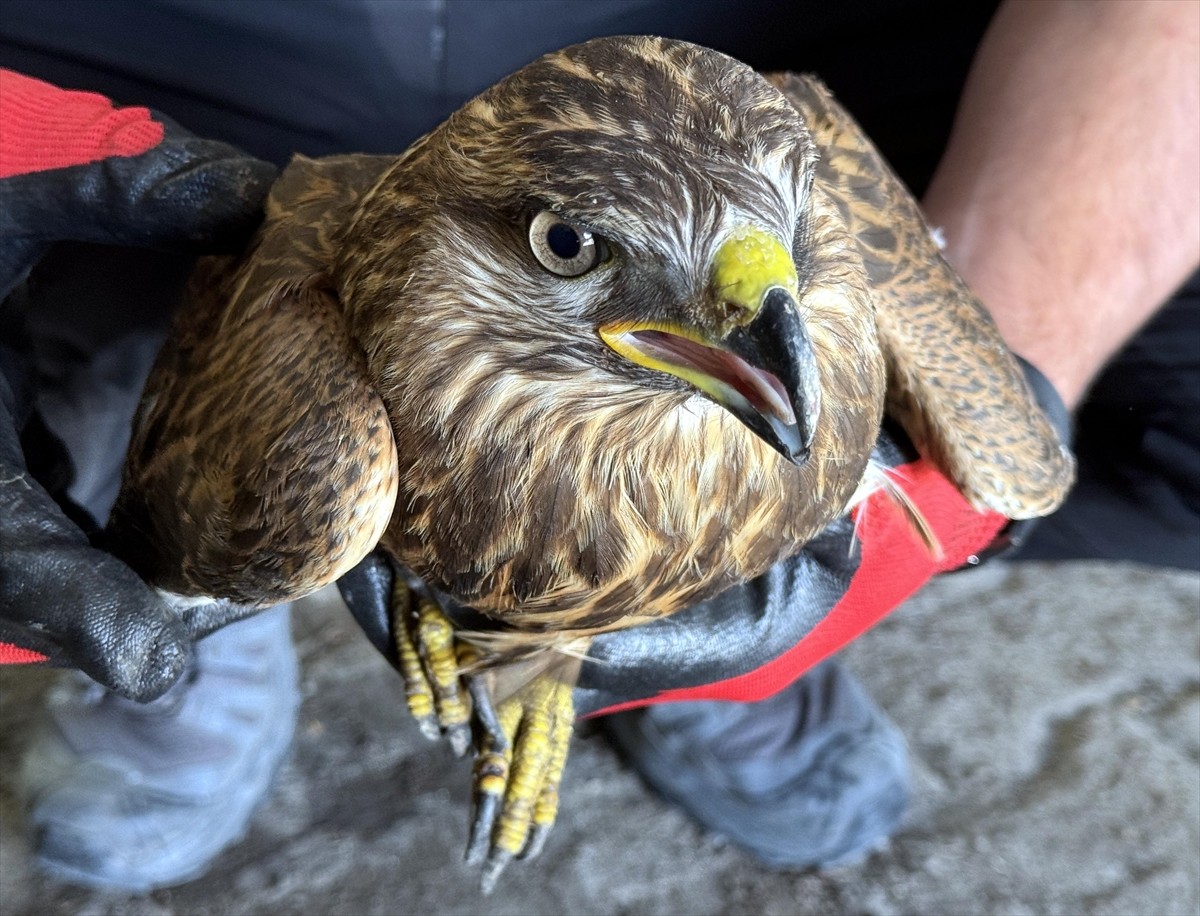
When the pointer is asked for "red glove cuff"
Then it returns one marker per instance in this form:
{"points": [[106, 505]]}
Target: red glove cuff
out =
{"points": [[50, 128], [15, 655], [895, 564]]}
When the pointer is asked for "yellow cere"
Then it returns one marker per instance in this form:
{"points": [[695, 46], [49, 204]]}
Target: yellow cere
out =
{"points": [[748, 264]]}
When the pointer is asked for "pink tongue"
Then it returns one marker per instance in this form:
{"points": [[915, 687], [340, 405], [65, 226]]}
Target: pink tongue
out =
{"points": [[760, 388]]}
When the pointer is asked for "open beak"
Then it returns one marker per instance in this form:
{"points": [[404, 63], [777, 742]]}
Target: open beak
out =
{"points": [[762, 370]]}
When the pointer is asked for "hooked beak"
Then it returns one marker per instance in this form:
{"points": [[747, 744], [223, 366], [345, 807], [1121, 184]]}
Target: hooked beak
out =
{"points": [[762, 370]]}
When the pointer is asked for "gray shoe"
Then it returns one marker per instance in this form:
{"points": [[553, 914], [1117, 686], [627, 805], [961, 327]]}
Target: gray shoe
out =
{"points": [[132, 796], [813, 776]]}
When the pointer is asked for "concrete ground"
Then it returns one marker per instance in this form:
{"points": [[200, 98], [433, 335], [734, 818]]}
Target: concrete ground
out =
{"points": [[1053, 713]]}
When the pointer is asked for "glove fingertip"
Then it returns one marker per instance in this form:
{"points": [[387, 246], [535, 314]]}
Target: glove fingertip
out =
{"points": [[367, 591], [215, 200], [149, 672]]}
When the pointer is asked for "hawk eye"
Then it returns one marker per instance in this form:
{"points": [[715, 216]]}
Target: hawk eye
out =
{"points": [[562, 247]]}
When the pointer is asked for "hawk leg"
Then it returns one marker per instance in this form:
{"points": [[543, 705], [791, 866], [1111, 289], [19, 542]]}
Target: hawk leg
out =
{"points": [[518, 716], [517, 775], [430, 661]]}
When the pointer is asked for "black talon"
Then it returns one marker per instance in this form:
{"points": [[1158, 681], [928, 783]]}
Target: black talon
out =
{"points": [[496, 863], [536, 842], [485, 711], [486, 811], [459, 737], [429, 727]]}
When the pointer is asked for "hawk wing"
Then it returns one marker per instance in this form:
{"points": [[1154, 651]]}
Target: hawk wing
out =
{"points": [[952, 383], [262, 464]]}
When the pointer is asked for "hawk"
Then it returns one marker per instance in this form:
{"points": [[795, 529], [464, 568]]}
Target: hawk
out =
{"points": [[617, 335]]}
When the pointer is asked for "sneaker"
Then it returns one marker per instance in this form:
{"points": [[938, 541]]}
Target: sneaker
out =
{"points": [[135, 796], [815, 776]]}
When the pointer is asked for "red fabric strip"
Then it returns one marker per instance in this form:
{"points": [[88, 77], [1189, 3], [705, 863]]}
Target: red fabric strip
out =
{"points": [[15, 655], [44, 127], [895, 564]]}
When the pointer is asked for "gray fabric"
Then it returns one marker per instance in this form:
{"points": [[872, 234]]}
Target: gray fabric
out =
{"points": [[1138, 444], [89, 400], [813, 776], [137, 796]]}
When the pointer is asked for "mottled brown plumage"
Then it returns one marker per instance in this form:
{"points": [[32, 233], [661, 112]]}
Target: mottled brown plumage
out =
{"points": [[262, 463], [390, 363], [953, 384]]}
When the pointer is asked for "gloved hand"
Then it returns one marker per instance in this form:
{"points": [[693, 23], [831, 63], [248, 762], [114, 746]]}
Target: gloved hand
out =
{"points": [[754, 640], [73, 167]]}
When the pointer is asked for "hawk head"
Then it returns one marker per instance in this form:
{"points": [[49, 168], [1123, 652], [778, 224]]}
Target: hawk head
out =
{"points": [[632, 206], [601, 262]]}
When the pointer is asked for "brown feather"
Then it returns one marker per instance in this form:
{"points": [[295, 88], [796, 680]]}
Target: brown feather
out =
{"points": [[238, 484]]}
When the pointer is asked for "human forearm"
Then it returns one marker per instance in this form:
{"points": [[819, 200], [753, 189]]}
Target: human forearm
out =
{"points": [[1070, 189]]}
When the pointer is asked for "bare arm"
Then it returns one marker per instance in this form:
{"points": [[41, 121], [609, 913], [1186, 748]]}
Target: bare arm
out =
{"points": [[1070, 189]]}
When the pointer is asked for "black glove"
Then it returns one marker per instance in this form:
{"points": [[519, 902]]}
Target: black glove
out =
{"points": [[74, 168]]}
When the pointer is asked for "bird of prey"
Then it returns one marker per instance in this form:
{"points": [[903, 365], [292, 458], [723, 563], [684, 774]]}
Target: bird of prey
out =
{"points": [[617, 335]]}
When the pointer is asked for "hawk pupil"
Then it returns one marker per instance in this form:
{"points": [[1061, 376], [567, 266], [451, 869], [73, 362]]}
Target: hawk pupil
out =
{"points": [[564, 241]]}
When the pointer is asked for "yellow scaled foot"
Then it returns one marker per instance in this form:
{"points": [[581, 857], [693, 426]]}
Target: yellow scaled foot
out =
{"points": [[430, 664], [517, 778], [521, 743]]}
